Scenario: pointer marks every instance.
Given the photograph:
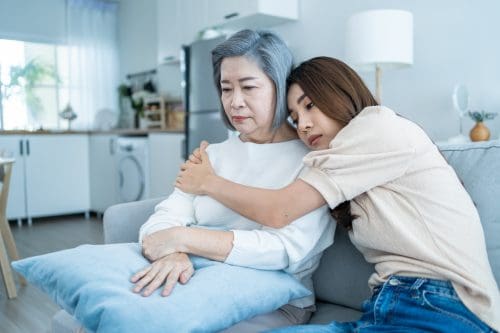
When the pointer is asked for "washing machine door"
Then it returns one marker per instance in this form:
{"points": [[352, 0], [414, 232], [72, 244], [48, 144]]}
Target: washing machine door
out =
{"points": [[131, 179]]}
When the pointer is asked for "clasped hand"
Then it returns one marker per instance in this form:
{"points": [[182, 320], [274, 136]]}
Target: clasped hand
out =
{"points": [[195, 171], [168, 266], [161, 243], [165, 271]]}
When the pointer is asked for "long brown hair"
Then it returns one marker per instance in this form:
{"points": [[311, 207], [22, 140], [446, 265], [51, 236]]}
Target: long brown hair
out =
{"points": [[339, 92]]}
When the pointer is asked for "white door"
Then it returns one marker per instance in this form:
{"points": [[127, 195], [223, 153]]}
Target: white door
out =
{"points": [[103, 172], [14, 146], [57, 174]]}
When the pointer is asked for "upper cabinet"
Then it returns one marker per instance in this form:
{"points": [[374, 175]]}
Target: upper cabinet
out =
{"points": [[240, 14], [181, 21]]}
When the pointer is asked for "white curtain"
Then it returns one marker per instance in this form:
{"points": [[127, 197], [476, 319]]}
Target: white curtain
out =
{"points": [[93, 58]]}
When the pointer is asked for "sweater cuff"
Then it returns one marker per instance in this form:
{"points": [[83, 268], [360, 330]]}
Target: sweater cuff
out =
{"points": [[239, 254], [324, 184]]}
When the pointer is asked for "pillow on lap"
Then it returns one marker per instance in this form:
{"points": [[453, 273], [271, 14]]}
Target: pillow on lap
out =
{"points": [[92, 282]]}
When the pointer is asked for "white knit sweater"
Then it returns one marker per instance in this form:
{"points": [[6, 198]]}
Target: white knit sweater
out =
{"points": [[296, 248]]}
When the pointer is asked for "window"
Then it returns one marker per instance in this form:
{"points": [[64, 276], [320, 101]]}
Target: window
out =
{"points": [[37, 107]]}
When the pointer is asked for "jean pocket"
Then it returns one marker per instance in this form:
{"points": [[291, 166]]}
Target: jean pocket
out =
{"points": [[452, 307]]}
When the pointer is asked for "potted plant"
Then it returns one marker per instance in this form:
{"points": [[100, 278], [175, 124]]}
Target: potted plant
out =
{"points": [[136, 101], [24, 79], [480, 132]]}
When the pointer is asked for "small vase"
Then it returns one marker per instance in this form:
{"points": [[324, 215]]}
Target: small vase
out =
{"points": [[479, 132]]}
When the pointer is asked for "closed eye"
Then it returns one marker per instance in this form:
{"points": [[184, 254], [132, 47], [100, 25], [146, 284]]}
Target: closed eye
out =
{"points": [[309, 106]]}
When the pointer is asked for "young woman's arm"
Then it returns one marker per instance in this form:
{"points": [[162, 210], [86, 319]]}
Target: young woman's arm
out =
{"points": [[273, 208]]}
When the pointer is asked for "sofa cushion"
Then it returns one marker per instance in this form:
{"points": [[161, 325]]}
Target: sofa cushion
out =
{"points": [[92, 283], [342, 277], [326, 313], [478, 167]]}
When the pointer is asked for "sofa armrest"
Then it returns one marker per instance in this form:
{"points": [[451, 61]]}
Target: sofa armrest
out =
{"points": [[122, 221]]}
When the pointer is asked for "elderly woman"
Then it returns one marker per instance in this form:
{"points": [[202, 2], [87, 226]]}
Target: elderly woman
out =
{"points": [[250, 71]]}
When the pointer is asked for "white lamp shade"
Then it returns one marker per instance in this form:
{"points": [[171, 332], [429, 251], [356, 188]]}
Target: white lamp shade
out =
{"points": [[380, 37]]}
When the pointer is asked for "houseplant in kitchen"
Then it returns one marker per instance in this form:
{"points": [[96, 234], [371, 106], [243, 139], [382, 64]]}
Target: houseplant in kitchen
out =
{"points": [[24, 80], [136, 100], [480, 132]]}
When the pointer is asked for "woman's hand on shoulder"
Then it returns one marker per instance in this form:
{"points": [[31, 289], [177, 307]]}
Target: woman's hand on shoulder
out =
{"points": [[166, 271], [195, 172]]}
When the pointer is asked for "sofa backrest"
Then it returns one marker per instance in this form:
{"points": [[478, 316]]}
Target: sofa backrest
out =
{"points": [[342, 277], [478, 167]]}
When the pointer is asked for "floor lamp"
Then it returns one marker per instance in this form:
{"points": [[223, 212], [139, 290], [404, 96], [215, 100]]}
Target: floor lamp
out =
{"points": [[379, 40]]}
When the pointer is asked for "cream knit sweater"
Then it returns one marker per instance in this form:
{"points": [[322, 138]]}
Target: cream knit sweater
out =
{"points": [[414, 218]]}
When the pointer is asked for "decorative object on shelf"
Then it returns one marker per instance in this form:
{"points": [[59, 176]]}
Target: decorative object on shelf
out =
{"points": [[68, 114], [176, 115], [380, 39], [460, 98], [105, 119], [480, 132], [142, 85], [162, 113], [154, 115]]}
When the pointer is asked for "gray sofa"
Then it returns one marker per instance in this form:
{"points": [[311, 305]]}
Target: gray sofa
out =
{"points": [[341, 279]]}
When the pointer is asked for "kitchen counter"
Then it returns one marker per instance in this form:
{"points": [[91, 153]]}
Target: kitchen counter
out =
{"points": [[118, 131]]}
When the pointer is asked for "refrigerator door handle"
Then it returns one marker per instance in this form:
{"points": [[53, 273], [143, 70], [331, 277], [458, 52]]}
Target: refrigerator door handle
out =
{"points": [[183, 149], [231, 15]]}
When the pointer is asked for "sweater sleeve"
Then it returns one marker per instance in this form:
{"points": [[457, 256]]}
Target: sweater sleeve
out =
{"points": [[274, 249], [176, 210], [370, 151]]}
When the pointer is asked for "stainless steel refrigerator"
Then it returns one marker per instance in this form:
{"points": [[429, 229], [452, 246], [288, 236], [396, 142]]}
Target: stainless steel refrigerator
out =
{"points": [[202, 102]]}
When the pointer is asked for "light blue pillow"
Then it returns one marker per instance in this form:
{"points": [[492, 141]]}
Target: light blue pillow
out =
{"points": [[92, 283]]}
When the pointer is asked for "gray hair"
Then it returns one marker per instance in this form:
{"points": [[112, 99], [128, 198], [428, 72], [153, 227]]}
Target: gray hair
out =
{"points": [[272, 56]]}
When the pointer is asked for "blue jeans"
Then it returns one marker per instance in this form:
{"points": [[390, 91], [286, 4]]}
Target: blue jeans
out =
{"points": [[407, 304]]}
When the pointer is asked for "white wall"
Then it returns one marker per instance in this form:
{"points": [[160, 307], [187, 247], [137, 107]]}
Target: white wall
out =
{"points": [[455, 41]]}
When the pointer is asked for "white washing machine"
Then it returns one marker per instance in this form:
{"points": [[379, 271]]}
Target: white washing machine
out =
{"points": [[133, 168]]}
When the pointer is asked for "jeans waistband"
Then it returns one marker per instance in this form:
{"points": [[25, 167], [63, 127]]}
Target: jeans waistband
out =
{"points": [[418, 283]]}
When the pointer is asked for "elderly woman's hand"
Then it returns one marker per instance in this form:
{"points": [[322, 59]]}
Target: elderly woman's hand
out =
{"points": [[162, 243], [195, 172], [165, 271]]}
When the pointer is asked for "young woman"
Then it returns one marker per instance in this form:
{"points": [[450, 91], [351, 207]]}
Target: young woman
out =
{"points": [[250, 71], [386, 181]]}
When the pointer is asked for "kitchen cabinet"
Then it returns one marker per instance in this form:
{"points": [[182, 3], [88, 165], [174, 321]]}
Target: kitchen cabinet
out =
{"points": [[103, 172], [240, 14], [57, 174], [51, 175], [15, 146], [165, 153], [181, 21]]}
